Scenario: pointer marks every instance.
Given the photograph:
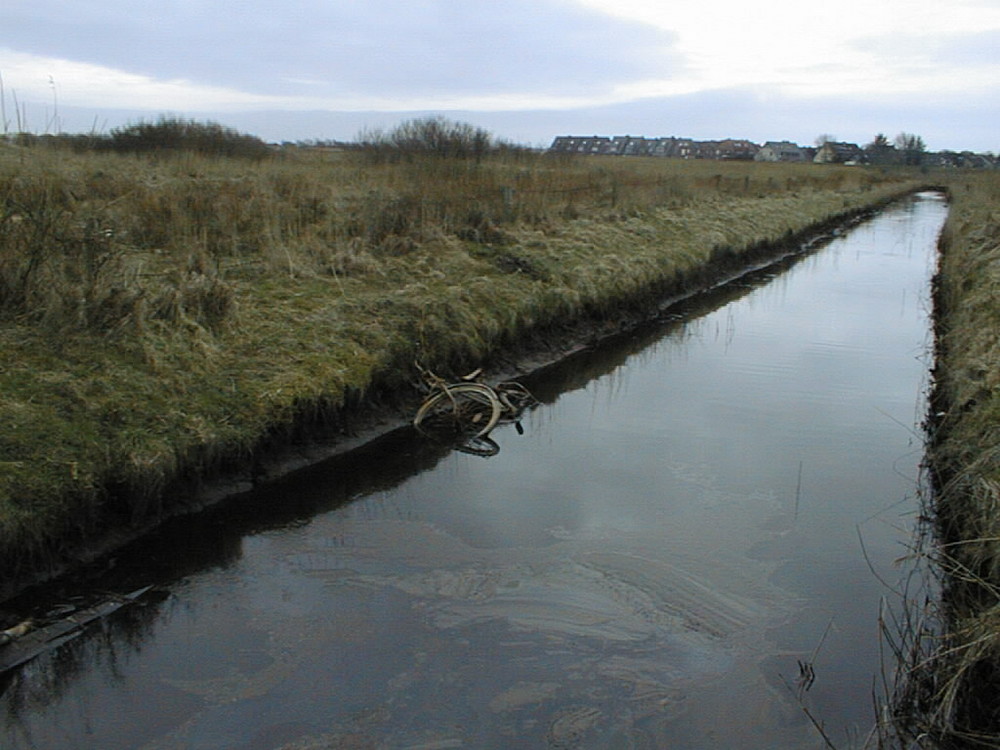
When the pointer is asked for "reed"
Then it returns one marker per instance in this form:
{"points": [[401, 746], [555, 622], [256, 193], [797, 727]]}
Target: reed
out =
{"points": [[165, 317]]}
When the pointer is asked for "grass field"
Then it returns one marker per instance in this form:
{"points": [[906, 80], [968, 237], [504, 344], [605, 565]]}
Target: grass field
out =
{"points": [[164, 316]]}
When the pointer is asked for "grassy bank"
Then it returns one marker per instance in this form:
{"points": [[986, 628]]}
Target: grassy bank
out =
{"points": [[163, 317], [951, 696]]}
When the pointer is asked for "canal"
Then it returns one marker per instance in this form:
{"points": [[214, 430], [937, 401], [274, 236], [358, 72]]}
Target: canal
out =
{"points": [[686, 544]]}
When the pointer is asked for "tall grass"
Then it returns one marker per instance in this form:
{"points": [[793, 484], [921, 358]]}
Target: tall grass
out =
{"points": [[950, 693], [165, 316], [92, 241]]}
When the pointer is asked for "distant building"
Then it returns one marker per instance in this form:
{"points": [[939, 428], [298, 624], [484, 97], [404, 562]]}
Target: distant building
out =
{"points": [[970, 160], [630, 145], [962, 160], [833, 152], [627, 145], [780, 151], [879, 153], [571, 144], [943, 159], [663, 147], [733, 149], [685, 148], [882, 154]]}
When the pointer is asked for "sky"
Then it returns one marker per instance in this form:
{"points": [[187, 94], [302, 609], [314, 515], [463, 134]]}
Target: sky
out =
{"points": [[526, 70]]}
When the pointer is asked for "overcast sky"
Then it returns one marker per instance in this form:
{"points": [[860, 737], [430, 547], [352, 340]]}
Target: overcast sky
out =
{"points": [[526, 70]]}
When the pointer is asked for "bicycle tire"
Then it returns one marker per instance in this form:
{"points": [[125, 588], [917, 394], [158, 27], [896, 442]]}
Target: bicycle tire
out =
{"points": [[476, 392]]}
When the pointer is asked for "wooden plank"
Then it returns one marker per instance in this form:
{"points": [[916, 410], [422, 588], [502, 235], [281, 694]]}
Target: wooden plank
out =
{"points": [[36, 642]]}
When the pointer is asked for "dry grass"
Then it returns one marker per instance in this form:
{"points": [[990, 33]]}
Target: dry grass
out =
{"points": [[950, 645], [162, 318]]}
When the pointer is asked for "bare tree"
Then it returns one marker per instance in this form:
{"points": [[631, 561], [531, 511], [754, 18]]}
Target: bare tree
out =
{"points": [[912, 147], [881, 152], [878, 143]]}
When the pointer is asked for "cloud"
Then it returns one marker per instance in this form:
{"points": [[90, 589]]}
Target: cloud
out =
{"points": [[934, 65], [977, 49], [352, 50], [702, 68], [52, 80], [809, 49]]}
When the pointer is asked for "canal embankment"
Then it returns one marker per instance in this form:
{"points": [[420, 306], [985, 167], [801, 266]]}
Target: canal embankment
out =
{"points": [[146, 373], [952, 641]]}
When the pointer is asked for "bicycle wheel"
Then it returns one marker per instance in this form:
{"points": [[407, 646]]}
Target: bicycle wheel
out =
{"points": [[468, 406]]}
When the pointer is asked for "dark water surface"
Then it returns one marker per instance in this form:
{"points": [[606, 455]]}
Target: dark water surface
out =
{"points": [[683, 521]]}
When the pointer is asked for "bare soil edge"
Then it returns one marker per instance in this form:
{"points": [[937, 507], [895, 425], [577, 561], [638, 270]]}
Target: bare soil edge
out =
{"points": [[319, 433]]}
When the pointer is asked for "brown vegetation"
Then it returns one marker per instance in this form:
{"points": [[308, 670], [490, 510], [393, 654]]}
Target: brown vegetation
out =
{"points": [[164, 316], [951, 643]]}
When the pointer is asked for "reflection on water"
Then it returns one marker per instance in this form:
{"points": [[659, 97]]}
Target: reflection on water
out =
{"points": [[646, 566]]}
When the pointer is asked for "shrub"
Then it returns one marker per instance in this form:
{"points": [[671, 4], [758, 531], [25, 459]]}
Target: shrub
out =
{"points": [[177, 134], [436, 136]]}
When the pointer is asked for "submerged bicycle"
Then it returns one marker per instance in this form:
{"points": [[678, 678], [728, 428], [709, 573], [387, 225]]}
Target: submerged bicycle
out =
{"points": [[467, 411]]}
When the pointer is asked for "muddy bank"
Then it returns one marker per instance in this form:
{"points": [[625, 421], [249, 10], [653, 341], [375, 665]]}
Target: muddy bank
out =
{"points": [[318, 433]]}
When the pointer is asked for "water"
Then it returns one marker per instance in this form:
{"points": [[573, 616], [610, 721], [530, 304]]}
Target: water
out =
{"points": [[695, 527]]}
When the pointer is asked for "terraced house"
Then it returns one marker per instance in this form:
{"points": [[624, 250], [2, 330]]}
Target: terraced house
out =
{"points": [[730, 149], [737, 149], [575, 144], [620, 145], [781, 151], [833, 152], [678, 148]]}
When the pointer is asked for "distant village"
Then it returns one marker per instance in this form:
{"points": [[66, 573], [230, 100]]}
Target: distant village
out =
{"points": [[879, 152]]}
